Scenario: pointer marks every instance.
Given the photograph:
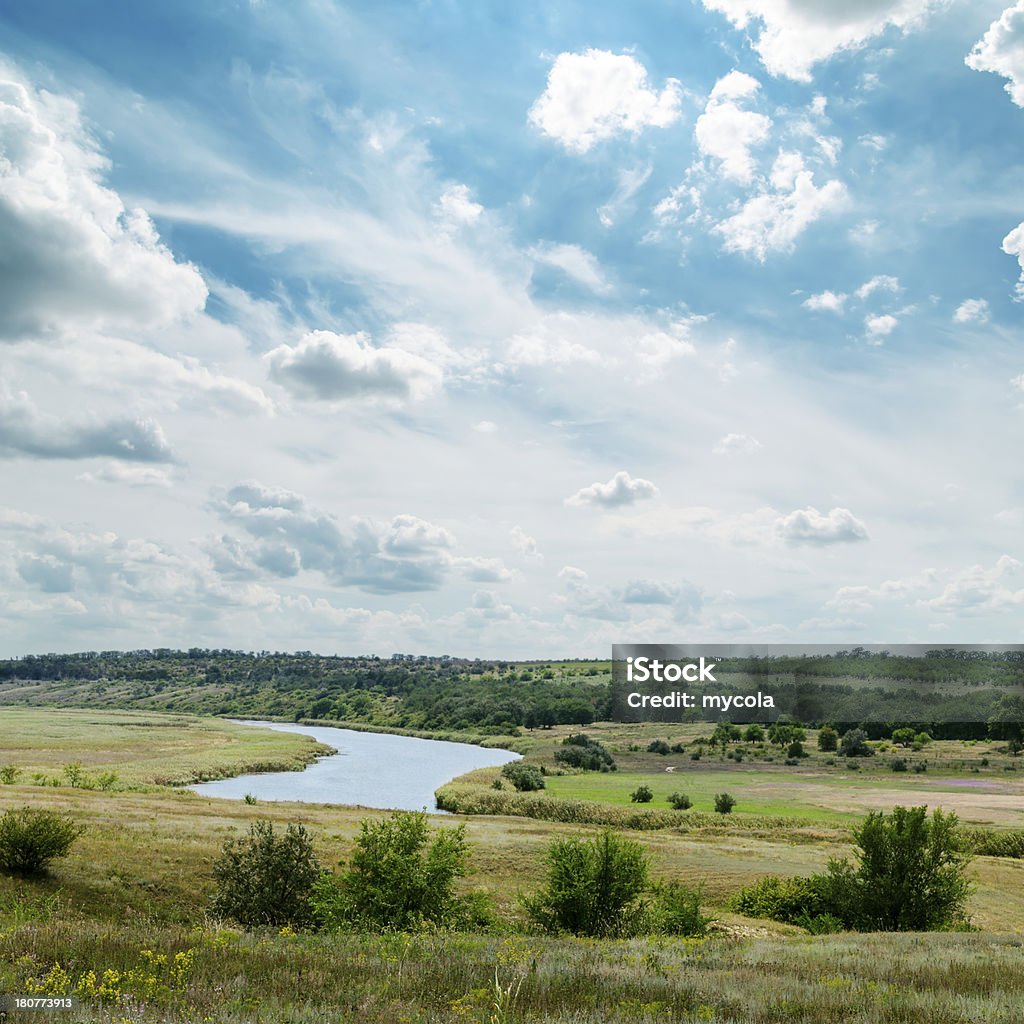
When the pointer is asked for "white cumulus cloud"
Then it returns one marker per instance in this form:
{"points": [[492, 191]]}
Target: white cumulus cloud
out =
{"points": [[727, 132], [1001, 51], [596, 95], [74, 258], [879, 327], [456, 205], [773, 221], [24, 431], [621, 490], [809, 526], [1013, 245], [826, 301], [332, 367], [794, 35]]}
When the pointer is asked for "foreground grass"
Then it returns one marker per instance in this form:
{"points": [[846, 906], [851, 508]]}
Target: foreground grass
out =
{"points": [[876, 979], [149, 855], [143, 748]]}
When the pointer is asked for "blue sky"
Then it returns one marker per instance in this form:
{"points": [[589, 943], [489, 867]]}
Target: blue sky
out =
{"points": [[511, 330]]}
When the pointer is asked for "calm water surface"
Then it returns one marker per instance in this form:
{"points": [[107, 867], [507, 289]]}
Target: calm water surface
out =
{"points": [[370, 769]]}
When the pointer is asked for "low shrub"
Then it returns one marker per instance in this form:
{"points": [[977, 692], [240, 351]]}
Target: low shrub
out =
{"points": [[680, 802], [855, 744], [658, 747], [642, 795], [828, 739], [580, 751], [990, 843], [909, 875], [782, 899], [30, 839], [267, 878], [399, 878], [675, 910], [525, 777], [593, 887], [898, 764]]}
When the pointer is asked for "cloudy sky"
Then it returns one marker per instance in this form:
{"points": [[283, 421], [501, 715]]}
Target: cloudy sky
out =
{"points": [[464, 327]]}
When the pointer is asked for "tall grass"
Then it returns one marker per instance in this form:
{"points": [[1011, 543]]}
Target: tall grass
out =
{"points": [[235, 977]]}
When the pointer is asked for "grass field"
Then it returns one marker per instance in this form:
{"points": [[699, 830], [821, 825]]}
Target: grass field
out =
{"points": [[140, 879], [143, 748], [834, 799]]}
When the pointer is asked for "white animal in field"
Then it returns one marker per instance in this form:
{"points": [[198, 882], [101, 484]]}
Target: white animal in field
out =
{"points": [[672, 769]]}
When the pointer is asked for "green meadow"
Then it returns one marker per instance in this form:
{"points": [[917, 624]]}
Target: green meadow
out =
{"points": [[138, 883]]}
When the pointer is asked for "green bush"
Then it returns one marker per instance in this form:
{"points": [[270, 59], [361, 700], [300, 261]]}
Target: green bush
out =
{"points": [[990, 843], [898, 764], [9, 774], [675, 910], [399, 878], [796, 750], [782, 899], [908, 876], [642, 795], [30, 839], [525, 777], [855, 744], [580, 751], [724, 803], [828, 738], [658, 747], [910, 873], [680, 802], [267, 878], [593, 887]]}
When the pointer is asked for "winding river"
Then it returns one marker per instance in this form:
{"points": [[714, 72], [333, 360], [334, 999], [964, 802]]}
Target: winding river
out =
{"points": [[370, 769]]}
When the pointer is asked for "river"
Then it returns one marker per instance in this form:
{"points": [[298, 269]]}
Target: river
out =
{"points": [[370, 769]]}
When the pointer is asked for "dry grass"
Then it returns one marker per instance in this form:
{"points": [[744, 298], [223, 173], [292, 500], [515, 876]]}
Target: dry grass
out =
{"points": [[144, 748]]}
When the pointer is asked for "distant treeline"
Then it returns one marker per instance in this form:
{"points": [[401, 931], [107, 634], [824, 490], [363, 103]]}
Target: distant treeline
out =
{"points": [[427, 693], [955, 694]]}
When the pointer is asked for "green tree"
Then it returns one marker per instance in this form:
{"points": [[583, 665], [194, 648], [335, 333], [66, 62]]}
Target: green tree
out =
{"points": [[904, 737], [399, 877], [724, 803], [593, 887], [642, 795], [753, 733], [267, 878]]}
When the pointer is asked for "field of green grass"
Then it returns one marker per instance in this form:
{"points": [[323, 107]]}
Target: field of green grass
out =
{"points": [[144, 748], [140, 879]]}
